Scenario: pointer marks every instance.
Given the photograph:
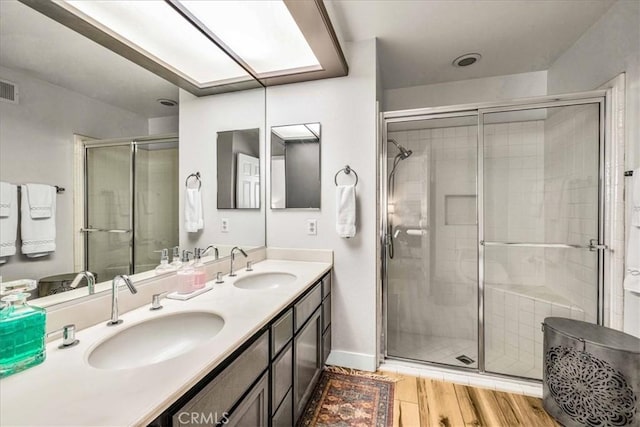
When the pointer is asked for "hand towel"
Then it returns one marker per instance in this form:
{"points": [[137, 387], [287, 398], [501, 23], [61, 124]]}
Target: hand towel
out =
{"points": [[41, 200], [193, 220], [632, 265], [635, 198], [38, 234], [346, 210], [8, 220]]}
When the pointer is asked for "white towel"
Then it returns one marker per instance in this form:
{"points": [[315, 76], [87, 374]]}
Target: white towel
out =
{"points": [[8, 220], [41, 200], [635, 198], [193, 220], [346, 210], [632, 266], [38, 234]]}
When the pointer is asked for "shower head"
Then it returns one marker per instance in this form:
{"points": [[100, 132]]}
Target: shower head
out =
{"points": [[404, 153]]}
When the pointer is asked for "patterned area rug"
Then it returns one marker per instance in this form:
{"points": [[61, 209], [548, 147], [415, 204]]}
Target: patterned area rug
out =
{"points": [[350, 398]]}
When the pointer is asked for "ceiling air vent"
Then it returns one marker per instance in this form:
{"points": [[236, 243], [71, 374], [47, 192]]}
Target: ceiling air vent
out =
{"points": [[8, 92]]}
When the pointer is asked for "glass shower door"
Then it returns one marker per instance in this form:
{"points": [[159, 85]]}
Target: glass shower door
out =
{"points": [[431, 254], [540, 252], [156, 193], [108, 213]]}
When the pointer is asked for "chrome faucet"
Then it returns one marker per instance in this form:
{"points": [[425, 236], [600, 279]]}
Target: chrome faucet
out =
{"points": [[216, 252], [91, 281], [114, 297], [233, 258]]}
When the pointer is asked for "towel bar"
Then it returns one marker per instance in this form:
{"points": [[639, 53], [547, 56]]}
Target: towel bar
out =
{"points": [[196, 176], [347, 170]]}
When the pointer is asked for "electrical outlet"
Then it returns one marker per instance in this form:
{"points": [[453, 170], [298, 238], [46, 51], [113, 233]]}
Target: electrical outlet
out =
{"points": [[224, 225], [312, 227]]}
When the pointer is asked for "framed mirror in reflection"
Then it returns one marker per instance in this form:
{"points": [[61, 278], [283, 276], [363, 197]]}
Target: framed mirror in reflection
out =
{"points": [[238, 168], [295, 166]]}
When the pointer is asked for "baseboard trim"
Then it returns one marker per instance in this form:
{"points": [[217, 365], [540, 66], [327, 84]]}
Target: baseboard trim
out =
{"points": [[347, 359]]}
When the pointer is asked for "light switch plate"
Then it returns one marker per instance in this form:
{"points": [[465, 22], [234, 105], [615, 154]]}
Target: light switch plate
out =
{"points": [[224, 225], [312, 227]]}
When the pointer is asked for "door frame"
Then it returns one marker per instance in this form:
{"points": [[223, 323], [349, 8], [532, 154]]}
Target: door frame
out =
{"points": [[605, 186]]}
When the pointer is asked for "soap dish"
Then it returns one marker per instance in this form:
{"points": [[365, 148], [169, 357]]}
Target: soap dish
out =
{"points": [[184, 297]]}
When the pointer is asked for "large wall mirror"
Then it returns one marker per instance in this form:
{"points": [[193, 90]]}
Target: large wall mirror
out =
{"points": [[106, 130], [295, 166]]}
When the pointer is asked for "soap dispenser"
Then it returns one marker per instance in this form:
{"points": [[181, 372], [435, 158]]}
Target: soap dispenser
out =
{"points": [[200, 277], [175, 260], [164, 266], [186, 275], [22, 335]]}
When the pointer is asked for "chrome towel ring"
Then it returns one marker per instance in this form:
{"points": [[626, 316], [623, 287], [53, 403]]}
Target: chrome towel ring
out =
{"points": [[347, 170], [196, 176]]}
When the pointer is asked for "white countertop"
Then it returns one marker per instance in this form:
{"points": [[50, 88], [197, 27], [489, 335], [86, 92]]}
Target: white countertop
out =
{"points": [[65, 390]]}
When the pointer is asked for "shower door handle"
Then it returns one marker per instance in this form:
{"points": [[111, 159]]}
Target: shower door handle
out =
{"points": [[594, 246], [103, 230]]}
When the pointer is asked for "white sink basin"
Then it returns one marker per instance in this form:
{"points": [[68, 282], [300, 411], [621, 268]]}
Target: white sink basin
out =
{"points": [[269, 280], [155, 340]]}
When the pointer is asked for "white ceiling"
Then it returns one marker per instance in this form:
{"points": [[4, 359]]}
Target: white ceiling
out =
{"points": [[32, 43], [419, 39]]}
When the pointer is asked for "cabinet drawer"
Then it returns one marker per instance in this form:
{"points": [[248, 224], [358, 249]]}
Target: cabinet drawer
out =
{"points": [[284, 416], [326, 345], [326, 285], [326, 313], [223, 391], [281, 379], [281, 332], [305, 308]]}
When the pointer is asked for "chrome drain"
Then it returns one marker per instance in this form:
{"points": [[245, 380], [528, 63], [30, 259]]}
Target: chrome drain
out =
{"points": [[465, 359]]}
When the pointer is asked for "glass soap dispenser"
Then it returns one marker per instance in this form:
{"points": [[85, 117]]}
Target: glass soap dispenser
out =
{"points": [[200, 277], [22, 335], [186, 275], [175, 260], [164, 266]]}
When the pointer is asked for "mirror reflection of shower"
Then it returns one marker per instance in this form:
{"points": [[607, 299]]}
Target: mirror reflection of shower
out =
{"points": [[402, 155]]}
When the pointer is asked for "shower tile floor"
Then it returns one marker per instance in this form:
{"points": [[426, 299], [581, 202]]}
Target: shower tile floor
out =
{"points": [[444, 350], [432, 348]]}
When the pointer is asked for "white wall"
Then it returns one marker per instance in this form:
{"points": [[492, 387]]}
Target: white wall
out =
{"points": [[163, 125], [200, 121], [611, 46], [36, 145], [467, 91], [345, 107]]}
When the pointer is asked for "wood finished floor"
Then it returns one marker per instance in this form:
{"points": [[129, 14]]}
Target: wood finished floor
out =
{"points": [[423, 402]]}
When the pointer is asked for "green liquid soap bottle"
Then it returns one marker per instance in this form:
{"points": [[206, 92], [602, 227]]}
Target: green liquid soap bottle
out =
{"points": [[22, 335]]}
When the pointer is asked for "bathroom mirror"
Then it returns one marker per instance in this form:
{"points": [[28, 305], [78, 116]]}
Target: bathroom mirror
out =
{"points": [[295, 166], [69, 89], [238, 167]]}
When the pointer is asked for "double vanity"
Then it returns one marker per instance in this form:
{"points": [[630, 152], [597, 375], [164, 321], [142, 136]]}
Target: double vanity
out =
{"points": [[247, 352]]}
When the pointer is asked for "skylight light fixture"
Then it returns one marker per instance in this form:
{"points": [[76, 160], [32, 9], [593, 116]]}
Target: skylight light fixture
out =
{"points": [[154, 27], [209, 47], [262, 33]]}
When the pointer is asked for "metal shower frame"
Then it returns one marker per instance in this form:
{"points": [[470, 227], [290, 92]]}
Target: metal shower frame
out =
{"points": [[479, 110]]}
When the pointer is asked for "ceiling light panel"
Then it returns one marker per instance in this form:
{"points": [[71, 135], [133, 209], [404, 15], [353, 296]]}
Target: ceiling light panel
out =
{"points": [[296, 132], [262, 33], [155, 27]]}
